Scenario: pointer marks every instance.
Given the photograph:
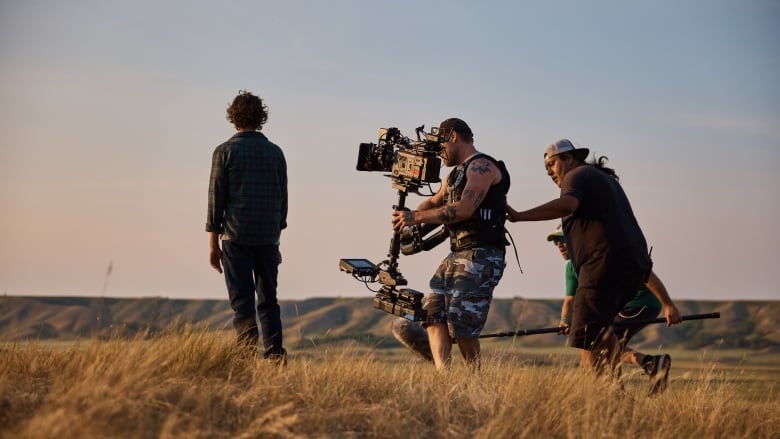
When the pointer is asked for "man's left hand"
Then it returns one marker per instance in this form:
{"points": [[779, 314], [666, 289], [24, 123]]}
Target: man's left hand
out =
{"points": [[215, 258], [672, 315], [403, 218]]}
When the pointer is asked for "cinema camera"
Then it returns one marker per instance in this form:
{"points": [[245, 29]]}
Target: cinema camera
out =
{"points": [[411, 166]]}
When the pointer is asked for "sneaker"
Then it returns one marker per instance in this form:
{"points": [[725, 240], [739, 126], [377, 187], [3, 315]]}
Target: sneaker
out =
{"points": [[659, 373]]}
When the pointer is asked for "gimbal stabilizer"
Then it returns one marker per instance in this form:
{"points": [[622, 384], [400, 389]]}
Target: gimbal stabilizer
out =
{"points": [[404, 302], [412, 164]]}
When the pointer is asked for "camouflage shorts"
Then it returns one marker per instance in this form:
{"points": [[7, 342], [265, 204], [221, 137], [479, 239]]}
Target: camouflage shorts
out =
{"points": [[462, 288]]}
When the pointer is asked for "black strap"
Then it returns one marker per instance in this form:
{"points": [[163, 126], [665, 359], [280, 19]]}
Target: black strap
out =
{"points": [[517, 258]]}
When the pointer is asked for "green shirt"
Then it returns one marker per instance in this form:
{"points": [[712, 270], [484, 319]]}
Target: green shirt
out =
{"points": [[643, 297]]}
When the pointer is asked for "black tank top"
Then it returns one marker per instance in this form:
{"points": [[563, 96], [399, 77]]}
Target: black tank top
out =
{"points": [[485, 228]]}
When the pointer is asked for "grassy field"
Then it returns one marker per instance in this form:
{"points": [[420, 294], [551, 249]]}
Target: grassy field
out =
{"points": [[195, 384]]}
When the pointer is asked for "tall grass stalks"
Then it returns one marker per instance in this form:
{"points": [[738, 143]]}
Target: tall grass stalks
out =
{"points": [[191, 383]]}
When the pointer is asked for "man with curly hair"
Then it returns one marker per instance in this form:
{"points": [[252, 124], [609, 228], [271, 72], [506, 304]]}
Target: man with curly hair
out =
{"points": [[247, 210]]}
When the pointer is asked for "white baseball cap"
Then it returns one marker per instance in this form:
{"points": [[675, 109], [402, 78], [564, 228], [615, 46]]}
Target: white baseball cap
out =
{"points": [[565, 145]]}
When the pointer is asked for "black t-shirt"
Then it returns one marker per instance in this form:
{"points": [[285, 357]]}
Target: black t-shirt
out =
{"points": [[603, 236]]}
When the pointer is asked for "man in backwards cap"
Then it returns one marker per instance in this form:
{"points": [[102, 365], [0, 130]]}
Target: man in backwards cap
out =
{"points": [[606, 246]]}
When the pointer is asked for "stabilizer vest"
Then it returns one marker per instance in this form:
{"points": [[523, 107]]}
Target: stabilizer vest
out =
{"points": [[485, 228]]}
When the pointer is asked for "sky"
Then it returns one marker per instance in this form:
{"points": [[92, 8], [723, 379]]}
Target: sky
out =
{"points": [[110, 111]]}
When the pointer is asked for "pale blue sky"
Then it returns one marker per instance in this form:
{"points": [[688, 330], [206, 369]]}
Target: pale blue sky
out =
{"points": [[109, 113]]}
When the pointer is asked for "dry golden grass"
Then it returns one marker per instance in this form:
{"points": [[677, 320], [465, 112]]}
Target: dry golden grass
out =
{"points": [[191, 383]]}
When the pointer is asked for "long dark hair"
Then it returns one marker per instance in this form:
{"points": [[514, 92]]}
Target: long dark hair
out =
{"points": [[600, 163]]}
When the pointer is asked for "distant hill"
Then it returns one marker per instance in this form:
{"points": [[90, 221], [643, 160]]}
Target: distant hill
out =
{"points": [[743, 324]]}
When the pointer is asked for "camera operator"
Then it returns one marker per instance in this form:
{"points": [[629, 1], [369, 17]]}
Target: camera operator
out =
{"points": [[472, 206]]}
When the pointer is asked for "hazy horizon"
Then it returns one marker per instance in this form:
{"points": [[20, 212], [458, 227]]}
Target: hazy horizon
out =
{"points": [[110, 111]]}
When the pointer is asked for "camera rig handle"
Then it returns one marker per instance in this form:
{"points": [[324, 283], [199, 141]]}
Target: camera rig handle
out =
{"points": [[403, 302], [395, 244]]}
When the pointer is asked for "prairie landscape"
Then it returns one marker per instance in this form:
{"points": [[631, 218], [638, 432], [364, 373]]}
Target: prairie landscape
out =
{"points": [[192, 382]]}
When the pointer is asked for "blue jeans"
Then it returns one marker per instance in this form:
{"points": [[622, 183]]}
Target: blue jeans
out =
{"points": [[250, 270]]}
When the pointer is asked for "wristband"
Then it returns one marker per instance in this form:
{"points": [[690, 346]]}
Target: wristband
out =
{"points": [[565, 320]]}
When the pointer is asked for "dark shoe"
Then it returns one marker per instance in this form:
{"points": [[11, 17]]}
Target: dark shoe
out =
{"points": [[277, 359], [658, 369]]}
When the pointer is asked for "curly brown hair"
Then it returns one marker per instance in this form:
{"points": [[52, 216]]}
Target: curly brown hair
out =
{"points": [[247, 111]]}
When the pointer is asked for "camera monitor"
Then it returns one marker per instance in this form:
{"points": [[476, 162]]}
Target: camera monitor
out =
{"points": [[358, 267]]}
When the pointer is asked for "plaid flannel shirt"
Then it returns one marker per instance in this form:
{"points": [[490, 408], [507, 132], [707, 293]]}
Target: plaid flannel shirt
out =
{"points": [[248, 190]]}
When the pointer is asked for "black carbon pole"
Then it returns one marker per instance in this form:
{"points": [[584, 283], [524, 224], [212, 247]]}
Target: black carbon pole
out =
{"points": [[711, 315], [523, 332]]}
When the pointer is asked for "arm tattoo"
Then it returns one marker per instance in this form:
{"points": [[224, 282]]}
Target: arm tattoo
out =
{"points": [[447, 214], [475, 198], [480, 197], [481, 166]]}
